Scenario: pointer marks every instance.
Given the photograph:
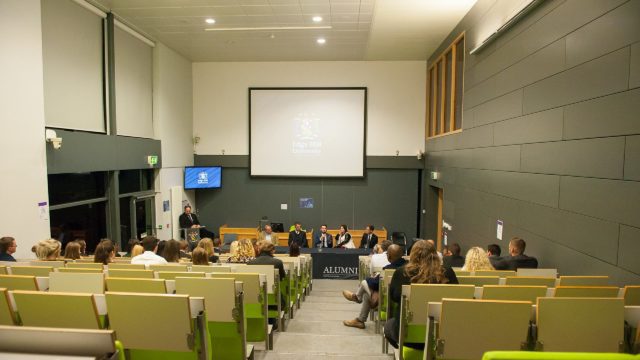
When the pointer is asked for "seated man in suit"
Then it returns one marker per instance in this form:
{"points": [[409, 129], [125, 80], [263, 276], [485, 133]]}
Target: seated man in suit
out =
{"points": [[496, 260], [298, 236], [189, 220], [455, 260], [322, 239], [367, 293], [517, 258], [269, 235], [369, 239]]}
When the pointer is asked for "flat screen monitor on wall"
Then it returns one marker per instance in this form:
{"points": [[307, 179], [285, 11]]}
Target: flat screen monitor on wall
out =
{"points": [[307, 132], [202, 177]]}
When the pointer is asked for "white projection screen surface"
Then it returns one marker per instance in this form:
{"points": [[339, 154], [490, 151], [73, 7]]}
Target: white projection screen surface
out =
{"points": [[307, 132]]}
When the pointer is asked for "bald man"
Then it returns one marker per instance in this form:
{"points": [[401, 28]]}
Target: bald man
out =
{"points": [[368, 288]]}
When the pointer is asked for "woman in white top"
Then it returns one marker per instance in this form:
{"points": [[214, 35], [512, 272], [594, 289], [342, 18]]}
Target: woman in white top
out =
{"points": [[343, 240]]}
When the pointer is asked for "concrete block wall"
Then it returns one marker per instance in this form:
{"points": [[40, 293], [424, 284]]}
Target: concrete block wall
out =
{"points": [[551, 137]]}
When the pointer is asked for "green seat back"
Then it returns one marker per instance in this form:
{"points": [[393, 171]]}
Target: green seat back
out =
{"points": [[580, 324], [632, 296], [130, 285], [31, 270], [468, 328], [479, 280], [19, 282], [7, 316], [584, 281], [171, 275], [58, 310], [77, 282], [138, 274], [530, 281], [151, 321], [587, 291], [513, 293], [84, 265]]}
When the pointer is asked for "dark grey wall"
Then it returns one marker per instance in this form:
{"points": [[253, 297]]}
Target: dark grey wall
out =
{"points": [[550, 141], [86, 152], [386, 197]]}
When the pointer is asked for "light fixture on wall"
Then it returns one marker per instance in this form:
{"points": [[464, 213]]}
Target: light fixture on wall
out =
{"points": [[210, 21], [52, 137], [321, 41], [420, 155], [317, 19], [526, 8]]}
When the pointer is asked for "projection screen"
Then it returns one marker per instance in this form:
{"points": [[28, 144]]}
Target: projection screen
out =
{"points": [[307, 132]]}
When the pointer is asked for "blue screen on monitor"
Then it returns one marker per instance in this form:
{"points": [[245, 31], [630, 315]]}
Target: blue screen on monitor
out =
{"points": [[202, 177]]}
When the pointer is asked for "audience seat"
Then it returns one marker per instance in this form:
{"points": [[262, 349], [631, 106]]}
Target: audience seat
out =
{"points": [[468, 328], [84, 265], [479, 280], [385, 306], [513, 292], [7, 315], [553, 273], [171, 275], [276, 289], [3, 270], [210, 268], [48, 263], [531, 281], [31, 270], [126, 266], [156, 326], [583, 281], [79, 270], [499, 273], [151, 286], [136, 274], [169, 267], [580, 324], [58, 310], [223, 299], [254, 287], [587, 291], [59, 343], [413, 311], [463, 273], [76, 283], [19, 282], [632, 295]]}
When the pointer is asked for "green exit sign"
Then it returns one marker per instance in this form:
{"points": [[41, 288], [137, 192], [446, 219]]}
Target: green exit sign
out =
{"points": [[152, 160]]}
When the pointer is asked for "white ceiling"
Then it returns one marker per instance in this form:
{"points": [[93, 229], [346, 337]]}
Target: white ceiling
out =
{"points": [[356, 29]]}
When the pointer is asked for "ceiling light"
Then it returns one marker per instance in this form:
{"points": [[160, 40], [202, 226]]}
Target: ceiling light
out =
{"points": [[210, 21], [272, 36], [316, 18], [321, 41]]}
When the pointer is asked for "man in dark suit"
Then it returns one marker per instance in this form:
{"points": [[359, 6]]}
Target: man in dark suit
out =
{"points": [[322, 239], [496, 260], [369, 239], [189, 220], [455, 260], [518, 259], [298, 236]]}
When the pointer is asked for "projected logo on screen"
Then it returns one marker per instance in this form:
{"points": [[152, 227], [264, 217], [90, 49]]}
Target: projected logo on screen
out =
{"points": [[306, 134], [203, 178]]}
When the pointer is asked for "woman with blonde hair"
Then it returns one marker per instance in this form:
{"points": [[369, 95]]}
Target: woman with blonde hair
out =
{"points": [[72, 251], [136, 250], [48, 249], [199, 256], [242, 251], [424, 267], [207, 245], [477, 259]]}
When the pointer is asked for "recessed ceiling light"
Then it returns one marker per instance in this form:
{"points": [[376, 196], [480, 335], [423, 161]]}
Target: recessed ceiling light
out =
{"points": [[210, 21], [321, 41], [316, 18]]}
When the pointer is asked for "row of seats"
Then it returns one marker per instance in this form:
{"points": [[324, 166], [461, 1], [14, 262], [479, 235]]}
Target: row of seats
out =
{"points": [[255, 288], [421, 308]]}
